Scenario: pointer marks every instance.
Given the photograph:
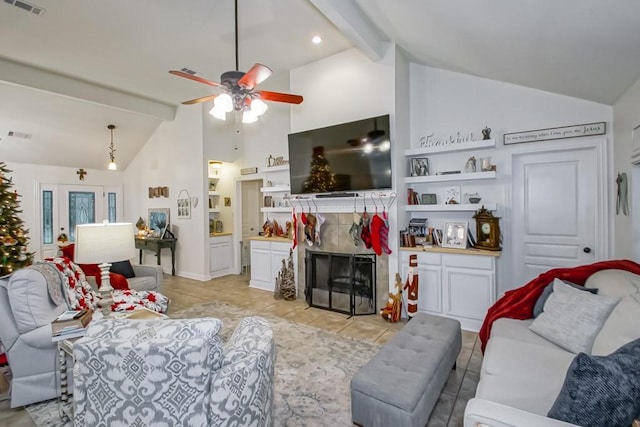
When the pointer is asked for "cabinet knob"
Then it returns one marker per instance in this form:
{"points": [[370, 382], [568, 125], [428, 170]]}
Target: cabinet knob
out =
{"points": [[586, 250]]}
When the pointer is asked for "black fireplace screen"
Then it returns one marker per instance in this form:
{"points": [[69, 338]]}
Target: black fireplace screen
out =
{"points": [[339, 282]]}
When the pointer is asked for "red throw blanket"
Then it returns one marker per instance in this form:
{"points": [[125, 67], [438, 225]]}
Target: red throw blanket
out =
{"points": [[518, 303]]}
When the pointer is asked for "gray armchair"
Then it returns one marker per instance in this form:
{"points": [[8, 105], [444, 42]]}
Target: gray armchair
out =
{"points": [[148, 278], [174, 372]]}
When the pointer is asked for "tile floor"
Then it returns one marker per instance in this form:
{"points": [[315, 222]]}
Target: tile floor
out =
{"points": [[234, 290]]}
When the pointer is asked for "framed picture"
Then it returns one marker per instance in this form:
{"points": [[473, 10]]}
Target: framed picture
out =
{"points": [[227, 201], [267, 201], [455, 234], [158, 220], [184, 208], [429, 199], [419, 166]]}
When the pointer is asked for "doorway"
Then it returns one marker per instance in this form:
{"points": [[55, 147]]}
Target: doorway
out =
{"points": [[558, 209], [251, 219]]}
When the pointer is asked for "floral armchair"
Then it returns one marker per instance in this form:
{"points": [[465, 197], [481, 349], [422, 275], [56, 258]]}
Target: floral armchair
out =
{"points": [[174, 372]]}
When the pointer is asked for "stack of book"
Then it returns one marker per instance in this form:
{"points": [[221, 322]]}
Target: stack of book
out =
{"points": [[70, 324]]}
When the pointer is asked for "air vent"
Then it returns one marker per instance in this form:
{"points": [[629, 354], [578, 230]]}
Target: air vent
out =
{"points": [[26, 6], [188, 71], [22, 135]]}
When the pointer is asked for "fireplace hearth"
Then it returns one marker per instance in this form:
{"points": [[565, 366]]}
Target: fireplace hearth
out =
{"points": [[340, 282]]}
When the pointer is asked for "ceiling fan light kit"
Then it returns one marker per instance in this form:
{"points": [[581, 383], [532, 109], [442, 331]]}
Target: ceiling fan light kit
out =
{"points": [[239, 88]]}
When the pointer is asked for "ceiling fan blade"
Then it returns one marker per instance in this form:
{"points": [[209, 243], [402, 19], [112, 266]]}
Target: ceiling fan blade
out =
{"points": [[199, 100], [256, 75], [195, 78], [278, 97]]}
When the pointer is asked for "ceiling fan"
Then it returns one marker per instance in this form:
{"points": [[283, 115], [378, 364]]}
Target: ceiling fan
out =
{"points": [[239, 89]]}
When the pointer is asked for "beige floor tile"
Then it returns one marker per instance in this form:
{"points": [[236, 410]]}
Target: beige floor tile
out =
{"points": [[385, 337], [468, 339], [442, 411]]}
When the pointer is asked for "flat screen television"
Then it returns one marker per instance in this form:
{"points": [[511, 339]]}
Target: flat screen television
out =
{"points": [[347, 157]]}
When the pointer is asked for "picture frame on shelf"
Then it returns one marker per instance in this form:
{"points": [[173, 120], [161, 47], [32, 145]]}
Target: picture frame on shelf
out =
{"points": [[429, 199], [268, 200], [455, 234], [158, 220], [419, 166]]}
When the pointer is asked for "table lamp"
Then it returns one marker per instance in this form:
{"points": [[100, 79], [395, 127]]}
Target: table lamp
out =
{"points": [[102, 244]]}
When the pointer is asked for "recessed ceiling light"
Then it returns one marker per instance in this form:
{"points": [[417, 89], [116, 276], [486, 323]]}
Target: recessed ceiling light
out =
{"points": [[316, 40]]}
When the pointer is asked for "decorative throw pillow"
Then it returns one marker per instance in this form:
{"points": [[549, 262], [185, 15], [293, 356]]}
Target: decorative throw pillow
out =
{"points": [[572, 318], [621, 327], [124, 268], [601, 391], [69, 251], [548, 290]]}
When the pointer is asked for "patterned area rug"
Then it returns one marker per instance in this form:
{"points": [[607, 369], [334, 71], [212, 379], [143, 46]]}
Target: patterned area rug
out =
{"points": [[312, 373]]}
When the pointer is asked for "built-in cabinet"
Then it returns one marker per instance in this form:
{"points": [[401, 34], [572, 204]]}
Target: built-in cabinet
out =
{"points": [[220, 255], [455, 283], [267, 254]]}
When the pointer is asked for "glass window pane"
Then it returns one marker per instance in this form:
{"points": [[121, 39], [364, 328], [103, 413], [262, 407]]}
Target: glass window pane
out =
{"points": [[82, 210], [47, 217], [111, 203]]}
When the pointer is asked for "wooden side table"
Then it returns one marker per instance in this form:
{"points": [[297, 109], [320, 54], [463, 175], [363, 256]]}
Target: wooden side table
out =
{"points": [[156, 245]]}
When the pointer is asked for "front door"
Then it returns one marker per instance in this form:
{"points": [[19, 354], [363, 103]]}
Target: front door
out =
{"points": [[65, 206], [556, 196]]}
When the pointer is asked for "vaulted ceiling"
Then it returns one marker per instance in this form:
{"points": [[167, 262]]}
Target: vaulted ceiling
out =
{"points": [[83, 64]]}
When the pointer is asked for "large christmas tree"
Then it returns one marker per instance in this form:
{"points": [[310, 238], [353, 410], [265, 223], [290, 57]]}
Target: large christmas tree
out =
{"points": [[13, 238], [320, 179]]}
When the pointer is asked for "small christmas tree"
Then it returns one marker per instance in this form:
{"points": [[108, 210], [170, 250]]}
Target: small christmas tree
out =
{"points": [[13, 238], [320, 179], [288, 281]]}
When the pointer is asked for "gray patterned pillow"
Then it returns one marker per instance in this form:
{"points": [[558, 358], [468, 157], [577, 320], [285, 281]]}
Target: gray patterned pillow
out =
{"points": [[601, 390], [548, 290], [572, 318]]}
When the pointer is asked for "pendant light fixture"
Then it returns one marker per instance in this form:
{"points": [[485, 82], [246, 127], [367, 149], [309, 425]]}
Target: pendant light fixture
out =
{"points": [[112, 164]]}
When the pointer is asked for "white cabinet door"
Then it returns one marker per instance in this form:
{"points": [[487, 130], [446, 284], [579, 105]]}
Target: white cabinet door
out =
{"points": [[279, 251], [429, 281], [468, 292], [260, 264], [220, 253]]}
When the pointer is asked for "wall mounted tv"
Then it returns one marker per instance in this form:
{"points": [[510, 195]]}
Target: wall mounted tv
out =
{"points": [[347, 157]]}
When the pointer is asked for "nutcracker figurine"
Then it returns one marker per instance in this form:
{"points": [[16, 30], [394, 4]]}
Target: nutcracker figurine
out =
{"points": [[411, 287]]}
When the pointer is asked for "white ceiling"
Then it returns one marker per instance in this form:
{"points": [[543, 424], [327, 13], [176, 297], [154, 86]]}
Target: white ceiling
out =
{"points": [[83, 64]]}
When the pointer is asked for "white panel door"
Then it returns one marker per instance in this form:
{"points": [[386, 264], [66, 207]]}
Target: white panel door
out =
{"points": [[251, 217], [555, 196]]}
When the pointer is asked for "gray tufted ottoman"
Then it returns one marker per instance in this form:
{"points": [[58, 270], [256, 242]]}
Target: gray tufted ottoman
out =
{"points": [[401, 384]]}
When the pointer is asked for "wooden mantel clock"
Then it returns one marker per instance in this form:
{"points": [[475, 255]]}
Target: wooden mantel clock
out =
{"points": [[487, 230]]}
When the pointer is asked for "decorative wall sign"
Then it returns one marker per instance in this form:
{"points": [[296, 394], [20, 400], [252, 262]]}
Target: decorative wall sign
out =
{"points": [[248, 171], [158, 192], [575, 131]]}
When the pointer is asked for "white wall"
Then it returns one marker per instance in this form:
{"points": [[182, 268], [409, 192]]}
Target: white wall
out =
{"points": [[444, 102], [173, 157], [347, 87], [28, 177], [626, 116]]}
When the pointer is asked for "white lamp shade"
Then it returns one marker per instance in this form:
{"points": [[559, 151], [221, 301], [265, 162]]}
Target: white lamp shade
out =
{"points": [[107, 242], [259, 107], [223, 102], [249, 117], [218, 113], [112, 166]]}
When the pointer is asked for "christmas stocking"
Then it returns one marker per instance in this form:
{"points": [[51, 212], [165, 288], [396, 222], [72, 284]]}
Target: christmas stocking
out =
{"points": [[295, 229], [366, 233], [376, 224], [309, 229], [319, 221], [356, 228], [384, 233]]}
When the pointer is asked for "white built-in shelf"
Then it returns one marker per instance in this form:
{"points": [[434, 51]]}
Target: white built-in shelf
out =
{"points": [[275, 169], [214, 193], [450, 148], [213, 210], [450, 177], [276, 189], [469, 207], [276, 209]]}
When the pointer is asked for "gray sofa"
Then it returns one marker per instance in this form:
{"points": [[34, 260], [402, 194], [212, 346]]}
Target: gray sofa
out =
{"points": [[26, 312]]}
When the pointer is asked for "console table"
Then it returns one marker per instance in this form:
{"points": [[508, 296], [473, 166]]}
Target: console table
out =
{"points": [[156, 245]]}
